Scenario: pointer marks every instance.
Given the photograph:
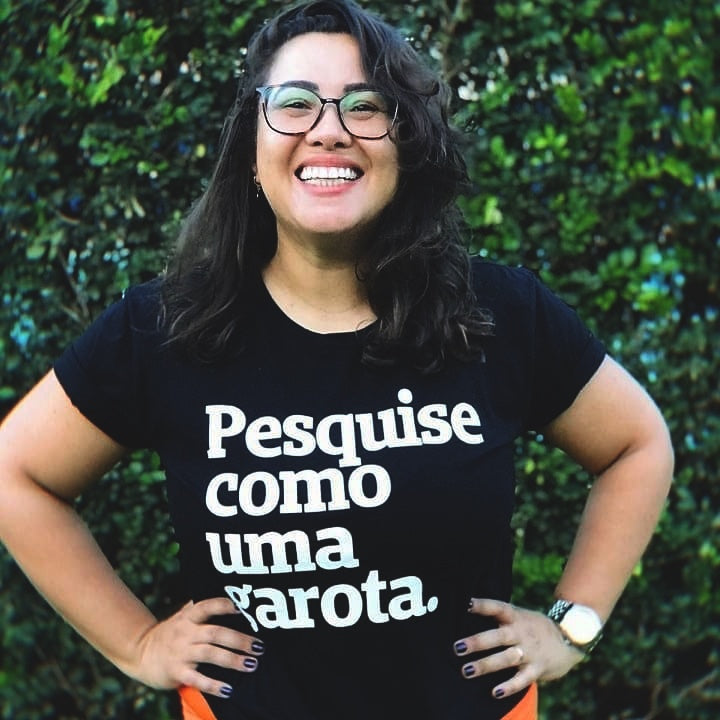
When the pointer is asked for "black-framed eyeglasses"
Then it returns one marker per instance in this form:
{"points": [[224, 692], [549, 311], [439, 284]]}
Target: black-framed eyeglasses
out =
{"points": [[294, 109]]}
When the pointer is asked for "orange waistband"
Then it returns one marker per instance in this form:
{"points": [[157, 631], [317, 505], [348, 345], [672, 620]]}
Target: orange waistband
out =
{"points": [[195, 707], [527, 708]]}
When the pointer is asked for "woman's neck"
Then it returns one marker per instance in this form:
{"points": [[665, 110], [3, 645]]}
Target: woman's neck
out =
{"points": [[322, 294]]}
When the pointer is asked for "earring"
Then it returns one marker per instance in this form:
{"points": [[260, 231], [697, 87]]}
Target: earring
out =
{"points": [[258, 187]]}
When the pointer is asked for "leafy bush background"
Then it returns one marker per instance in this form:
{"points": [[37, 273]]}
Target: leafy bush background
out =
{"points": [[593, 128]]}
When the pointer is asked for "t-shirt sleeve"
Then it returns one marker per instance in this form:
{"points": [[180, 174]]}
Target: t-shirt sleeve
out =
{"points": [[565, 355], [103, 371], [541, 354]]}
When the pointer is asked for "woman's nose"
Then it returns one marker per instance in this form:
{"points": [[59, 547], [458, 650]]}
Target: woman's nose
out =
{"points": [[329, 130]]}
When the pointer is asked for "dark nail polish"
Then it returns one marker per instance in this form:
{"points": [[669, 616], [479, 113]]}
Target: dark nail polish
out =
{"points": [[499, 693], [468, 671], [258, 647], [470, 605], [460, 647], [226, 691], [250, 663]]}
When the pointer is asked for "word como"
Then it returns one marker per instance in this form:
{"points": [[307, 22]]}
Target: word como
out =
{"points": [[260, 493]]}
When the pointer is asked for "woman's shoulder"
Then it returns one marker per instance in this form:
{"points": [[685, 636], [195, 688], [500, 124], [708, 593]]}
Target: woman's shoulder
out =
{"points": [[140, 304], [494, 281], [144, 294]]}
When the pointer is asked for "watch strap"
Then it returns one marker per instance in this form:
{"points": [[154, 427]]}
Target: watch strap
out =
{"points": [[559, 609]]}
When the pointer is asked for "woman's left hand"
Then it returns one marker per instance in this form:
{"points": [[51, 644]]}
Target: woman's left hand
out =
{"points": [[525, 639]]}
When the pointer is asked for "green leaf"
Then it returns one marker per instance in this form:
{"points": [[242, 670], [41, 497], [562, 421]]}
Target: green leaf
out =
{"points": [[57, 37]]}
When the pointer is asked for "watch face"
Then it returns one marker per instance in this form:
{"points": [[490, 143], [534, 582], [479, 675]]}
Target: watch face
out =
{"points": [[581, 624]]}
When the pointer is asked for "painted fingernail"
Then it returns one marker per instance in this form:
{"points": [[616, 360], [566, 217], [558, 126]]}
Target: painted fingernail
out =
{"points": [[468, 671], [226, 691], [258, 647], [460, 647], [499, 693], [470, 604], [250, 663]]}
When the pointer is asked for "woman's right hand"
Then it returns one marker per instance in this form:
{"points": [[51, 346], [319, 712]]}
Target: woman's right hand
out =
{"points": [[170, 651], [50, 453]]}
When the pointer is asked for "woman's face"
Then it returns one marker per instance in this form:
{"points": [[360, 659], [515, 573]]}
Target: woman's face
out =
{"points": [[309, 208]]}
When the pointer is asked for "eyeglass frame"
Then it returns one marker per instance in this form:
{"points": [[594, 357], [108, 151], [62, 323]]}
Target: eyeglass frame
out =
{"points": [[323, 102]]}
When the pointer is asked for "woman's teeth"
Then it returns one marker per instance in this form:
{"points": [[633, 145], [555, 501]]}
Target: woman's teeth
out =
{"points": [[328, 175]]}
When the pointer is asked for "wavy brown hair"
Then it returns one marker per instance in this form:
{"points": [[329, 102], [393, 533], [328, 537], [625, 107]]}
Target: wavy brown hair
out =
{"points": [[415, 267]]}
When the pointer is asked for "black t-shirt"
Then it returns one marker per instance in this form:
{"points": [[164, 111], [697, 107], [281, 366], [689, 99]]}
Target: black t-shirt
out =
{"points": [[349, 511]]}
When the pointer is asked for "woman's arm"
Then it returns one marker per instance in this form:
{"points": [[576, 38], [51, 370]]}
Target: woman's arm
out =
{"points": [[49, 453], [614, 430]]}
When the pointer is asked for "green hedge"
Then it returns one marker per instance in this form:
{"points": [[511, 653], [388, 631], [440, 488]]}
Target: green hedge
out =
{"points": [[593, 130]]}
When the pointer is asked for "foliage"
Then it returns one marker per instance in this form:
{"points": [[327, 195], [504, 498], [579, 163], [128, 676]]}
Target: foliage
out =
{"points": [[593, 144]]}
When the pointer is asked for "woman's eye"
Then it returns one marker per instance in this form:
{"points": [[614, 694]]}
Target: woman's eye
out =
{"points": [[366, 103], [364, 107], [295, 103], [292, 99]]}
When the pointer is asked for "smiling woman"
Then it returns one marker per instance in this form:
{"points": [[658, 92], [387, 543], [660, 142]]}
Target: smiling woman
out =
{"points": [[385, 220], [335, 389]]}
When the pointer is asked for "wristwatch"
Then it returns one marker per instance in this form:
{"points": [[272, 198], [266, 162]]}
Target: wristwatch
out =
{"points": [[580, 625]]}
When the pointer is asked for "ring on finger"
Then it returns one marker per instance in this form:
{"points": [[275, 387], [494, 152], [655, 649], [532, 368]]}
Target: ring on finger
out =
{"points": [[521, 655]]}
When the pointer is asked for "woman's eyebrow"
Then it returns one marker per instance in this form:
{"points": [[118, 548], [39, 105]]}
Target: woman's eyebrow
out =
{"points": [[357, 86], [316, 88]]}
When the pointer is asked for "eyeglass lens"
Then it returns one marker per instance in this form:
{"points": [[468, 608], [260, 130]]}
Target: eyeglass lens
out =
{"points": [[292, 109]]}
